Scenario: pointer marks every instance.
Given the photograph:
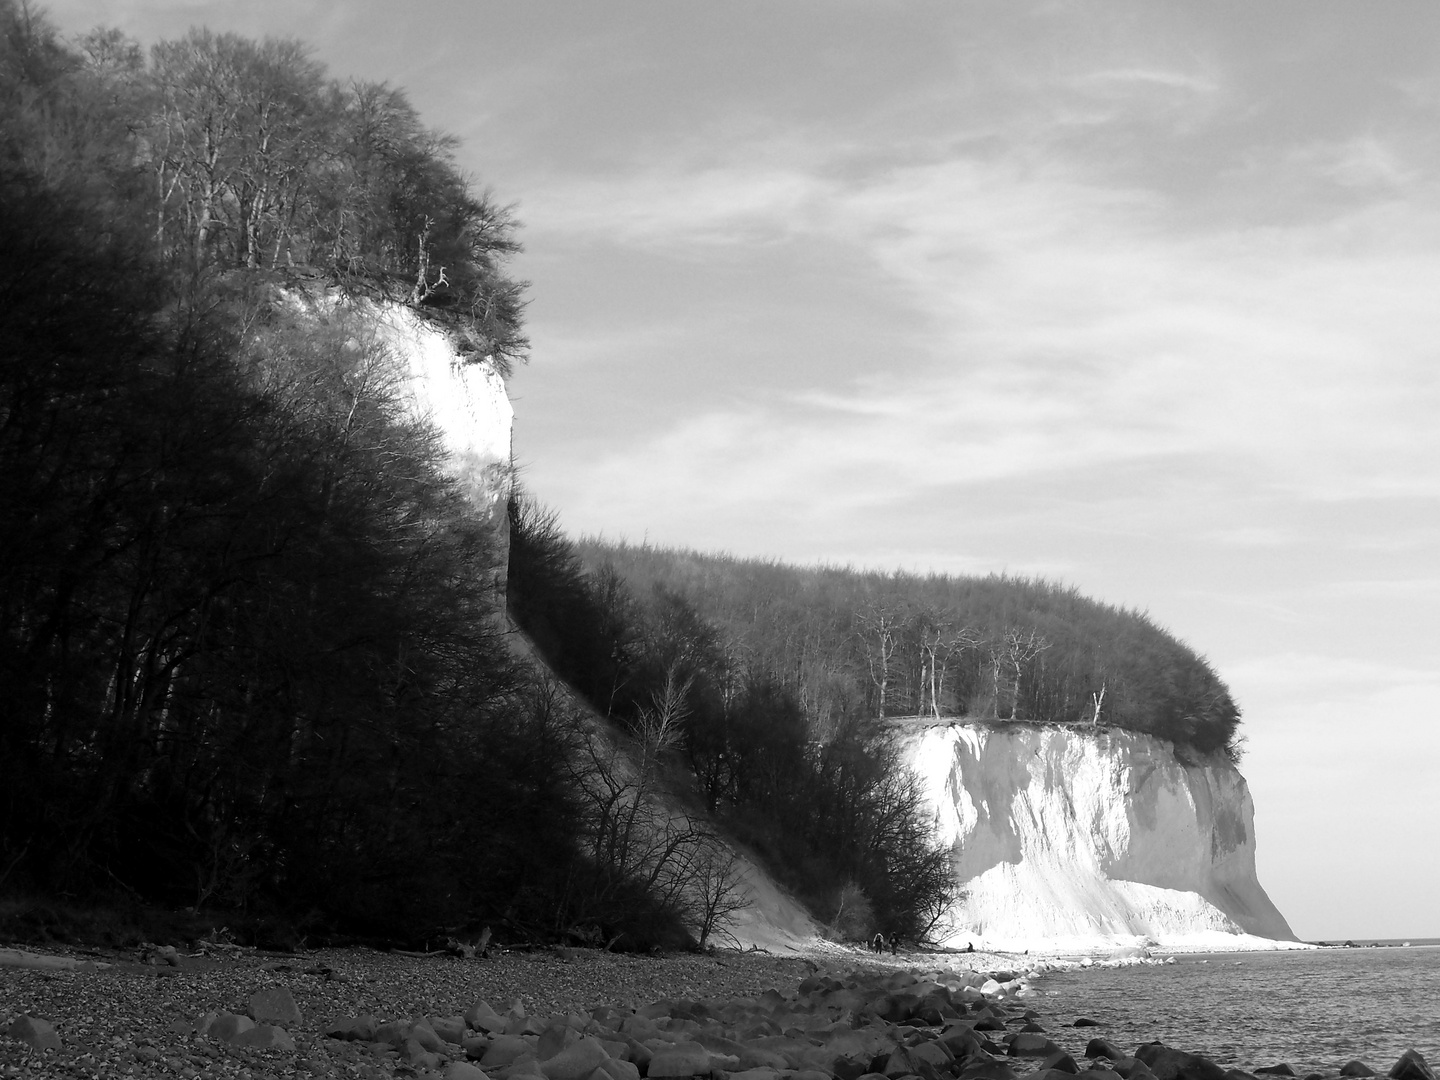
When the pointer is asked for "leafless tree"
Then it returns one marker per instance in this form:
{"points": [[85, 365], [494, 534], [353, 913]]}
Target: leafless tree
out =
{"points": [[941, 644], [880, 626], [718, 889], [1008, 657]]}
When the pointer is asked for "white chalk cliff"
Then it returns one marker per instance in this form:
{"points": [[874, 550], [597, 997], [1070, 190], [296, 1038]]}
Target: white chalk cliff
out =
{"points": [[1073, 837], [462, 397]]}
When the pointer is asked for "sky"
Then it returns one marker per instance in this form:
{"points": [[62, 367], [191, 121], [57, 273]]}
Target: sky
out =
{"points": [[1139, 296]]}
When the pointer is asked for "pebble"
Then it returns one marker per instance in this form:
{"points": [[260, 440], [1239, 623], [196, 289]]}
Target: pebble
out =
{"points": [[515, 1018]]}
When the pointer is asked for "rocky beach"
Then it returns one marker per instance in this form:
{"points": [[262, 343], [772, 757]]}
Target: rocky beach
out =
{"points": [[568, 1014]]}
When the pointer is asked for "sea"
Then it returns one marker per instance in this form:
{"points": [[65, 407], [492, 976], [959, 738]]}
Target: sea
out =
{"points": [[1314, 1010]]}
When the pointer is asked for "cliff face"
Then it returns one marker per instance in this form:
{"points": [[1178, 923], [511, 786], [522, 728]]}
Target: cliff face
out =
{"points": [[1074, 836], [463, 399]]}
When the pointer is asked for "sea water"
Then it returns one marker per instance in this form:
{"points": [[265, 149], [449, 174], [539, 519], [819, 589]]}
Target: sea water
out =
{"points": [[1315, 1010]]}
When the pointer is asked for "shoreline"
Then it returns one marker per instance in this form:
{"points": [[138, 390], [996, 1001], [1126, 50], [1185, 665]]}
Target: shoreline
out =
{"points": [[198, 1016]]}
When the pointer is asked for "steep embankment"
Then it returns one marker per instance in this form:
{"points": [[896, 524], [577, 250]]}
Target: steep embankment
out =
{"points": [[468, 405], [1073, 837]]}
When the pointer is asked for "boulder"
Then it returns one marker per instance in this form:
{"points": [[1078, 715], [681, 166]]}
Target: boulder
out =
{"points": [[1169, 1064], [1085, 1021], [617, 1070], [1355, 1067], [227, 1026], [1033, 1028], [414, 1052], [933, 1054], [352, 1028], [504, 1050], [988, 1070], [554, 1039], [638, 1053], [683, 1059], [1104, 1048], [393, 1032], [462, 1070], [451, 1029], [425, 1035], [576, 1061], [266, 1037], [165, 955], [1281, 1069], [1133, 1069], [900, 1063], [275, 1006], [960, 1041], [1060, 1061], [481, 1017], [1411, 1066], [34, 1032], [1030, 1045]]}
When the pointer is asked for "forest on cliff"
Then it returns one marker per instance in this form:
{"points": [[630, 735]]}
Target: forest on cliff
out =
{"points": [[842, 647], [253, 663]]}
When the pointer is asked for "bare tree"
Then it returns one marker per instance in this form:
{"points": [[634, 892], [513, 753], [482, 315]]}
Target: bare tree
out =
{"points": [[1008, 657], [718, 889], [880, 626], [941, 644]]}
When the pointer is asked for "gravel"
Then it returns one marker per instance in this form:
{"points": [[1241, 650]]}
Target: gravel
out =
{"points": [[138, 1020]]}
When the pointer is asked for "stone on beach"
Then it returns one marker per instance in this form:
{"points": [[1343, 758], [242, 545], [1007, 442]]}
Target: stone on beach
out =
{"points": [[352, 1028], [1060, 1061], [504, 1050], [265, 1037], [554, 1039], [1104, 1048], [451, 1029], [1028, 1044], [1132, 1069], [1355, 1067], [275, 1006], [1169, 1064], [462, 1070], [576, 1061], [1281, 1069], [481, 1017], [226, 1026], [680, 1060], [988, 1070], [1411, 1066], [34, 1032]]}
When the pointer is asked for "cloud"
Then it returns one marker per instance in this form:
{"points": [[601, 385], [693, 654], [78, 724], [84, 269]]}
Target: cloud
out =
{"points": [[1067, 328], [1253, 536]]}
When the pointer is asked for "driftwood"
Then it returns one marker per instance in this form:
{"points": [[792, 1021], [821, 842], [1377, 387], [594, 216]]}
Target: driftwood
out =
{"points": [[21, 959]]}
